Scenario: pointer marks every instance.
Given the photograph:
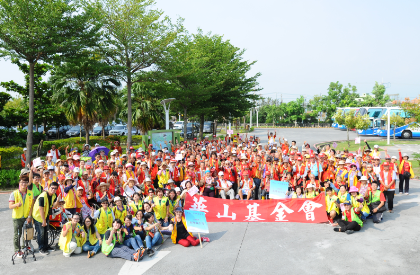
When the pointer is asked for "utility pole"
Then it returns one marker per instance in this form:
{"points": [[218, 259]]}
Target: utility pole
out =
{"points": [[250, 119]]}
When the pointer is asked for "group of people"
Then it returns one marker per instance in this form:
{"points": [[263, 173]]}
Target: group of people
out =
{"points": [[124, 204]]}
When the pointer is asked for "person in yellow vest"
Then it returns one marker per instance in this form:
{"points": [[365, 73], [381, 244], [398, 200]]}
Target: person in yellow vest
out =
{"points": [[357, 200], [136, 204], [72, 201], [350, 221], [21, 203], [163, 175], [104, 217], [331, 204], [93, 239], [72, 237], [376, 203], [405, 171], [180, 233], [160, 205], [45, 202], [120, 210]]}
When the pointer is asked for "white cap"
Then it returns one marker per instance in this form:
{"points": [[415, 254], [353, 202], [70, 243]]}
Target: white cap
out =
{"points": [[153, 154], [96, 144], [221, 173], [394, 157], [177, 189], [123, 155], [359, 156], [50, 167], [285, 139], [363, 178], [182, 152], [24, 149], [170, 181], [101, 160], [168, 157], [143, 163], [225, 151], [112, 153], [117, 198], [48, 155], [79, 188], [98, 171], [148, 179], [310, 186], [76, 169], [376, 146]]}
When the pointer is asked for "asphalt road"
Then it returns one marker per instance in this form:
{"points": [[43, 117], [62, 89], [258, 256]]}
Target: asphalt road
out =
{"points": [[391, 247]]}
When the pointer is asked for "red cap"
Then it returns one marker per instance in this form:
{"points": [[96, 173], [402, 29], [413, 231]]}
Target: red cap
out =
{"points": [[312, 156], [350, 155], [267, 173], [61, 177], [292, 153], [300, 158], [195, 138], [214, 135], [88, 167], [185, 141], [106, 168], [299, 153], [385, 164], [131, 148], [321, 155], [245, 173]]}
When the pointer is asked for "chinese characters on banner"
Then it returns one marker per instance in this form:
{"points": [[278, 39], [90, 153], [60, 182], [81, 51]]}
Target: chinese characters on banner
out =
{"points": [[283, 210], [278, 189]]}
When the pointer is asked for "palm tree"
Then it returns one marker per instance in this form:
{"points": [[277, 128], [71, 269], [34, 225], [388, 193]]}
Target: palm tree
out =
{"points": [[147, 113], [85, 92]]}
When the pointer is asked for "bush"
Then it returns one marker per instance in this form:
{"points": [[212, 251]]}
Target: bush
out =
{"points": [[9, 137], [9, 178]]}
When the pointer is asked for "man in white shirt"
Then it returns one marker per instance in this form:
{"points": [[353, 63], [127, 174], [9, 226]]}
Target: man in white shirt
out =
{"points": [[225, 187], [54, 152]]}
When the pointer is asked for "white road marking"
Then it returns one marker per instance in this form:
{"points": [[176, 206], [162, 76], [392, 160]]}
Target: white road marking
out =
{"points": [[138, 268]]}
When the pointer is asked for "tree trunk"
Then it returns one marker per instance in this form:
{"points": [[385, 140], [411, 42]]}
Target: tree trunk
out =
{"points": [[87, 136], [201, 126], [103, 132], [395, 126], [129, 116], [348, 137], [185, 124], [215, 128], [29, 138], [58, 132], [244, 123]]}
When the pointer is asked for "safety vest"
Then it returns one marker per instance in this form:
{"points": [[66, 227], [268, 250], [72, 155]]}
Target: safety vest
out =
{"points": [[355, 203], [23, 210], [71, 200], [120, 214], [172, 206], [376, 197], [389, 179], [295, 196], [163, 178], [354, 217], [160, 207], [311, 195], [401, 167], [135, 207], [342, 198], [352, 179], [174, 232], [64, 242], [106, 249], [35, 212], [104, 220], [330, 203], [92, 236]]}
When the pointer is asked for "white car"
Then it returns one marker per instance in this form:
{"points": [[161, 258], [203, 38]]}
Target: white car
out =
{"points": [[119, 130], [178, 125]]}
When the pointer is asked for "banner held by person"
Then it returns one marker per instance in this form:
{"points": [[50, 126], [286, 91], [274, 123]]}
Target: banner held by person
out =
{"points": [[284, 210]]}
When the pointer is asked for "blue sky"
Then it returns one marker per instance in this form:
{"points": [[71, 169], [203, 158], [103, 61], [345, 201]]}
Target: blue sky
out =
{"points": [[302, 46]]}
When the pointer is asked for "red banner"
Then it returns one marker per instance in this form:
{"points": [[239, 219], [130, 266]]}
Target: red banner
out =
{"points": [[283, 210]]}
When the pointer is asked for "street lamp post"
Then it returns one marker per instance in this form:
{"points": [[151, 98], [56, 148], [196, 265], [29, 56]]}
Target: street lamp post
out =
{"points": [[250, 119], [389, 127], [164, 102], [257, 109]]}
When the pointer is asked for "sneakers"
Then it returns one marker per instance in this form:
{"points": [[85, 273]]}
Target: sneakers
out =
{"points": [[350, 232], [141, 255], [406, 194], [205, 239], [90, 254], [150, 252], [136, 256], [390, 211], [337, 229], [19, 254], [44, 252]]}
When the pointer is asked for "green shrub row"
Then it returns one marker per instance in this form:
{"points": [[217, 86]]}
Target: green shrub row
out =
{"points": [[10, 156], [9, 178]]}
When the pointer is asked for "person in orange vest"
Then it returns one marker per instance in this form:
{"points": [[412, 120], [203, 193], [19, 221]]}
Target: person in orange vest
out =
{"points": [[405, 171], [387, 179], [23, 157]]}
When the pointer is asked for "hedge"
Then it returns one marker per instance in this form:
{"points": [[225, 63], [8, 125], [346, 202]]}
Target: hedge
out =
{"points": [[9, 178], [10, 156]]}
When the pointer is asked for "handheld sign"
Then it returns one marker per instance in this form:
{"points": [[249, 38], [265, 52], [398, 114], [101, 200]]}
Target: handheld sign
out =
{"points": [[193, 190], [278, 189], [335, 144], [357, 140], [196, 223], [37, 162]]}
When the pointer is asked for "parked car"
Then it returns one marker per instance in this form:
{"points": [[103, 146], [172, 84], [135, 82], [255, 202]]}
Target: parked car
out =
{"points": [[208, 127], [97, 131], [190, 133], [178, 125], [119, 130], [52, 133], [75, 131]]}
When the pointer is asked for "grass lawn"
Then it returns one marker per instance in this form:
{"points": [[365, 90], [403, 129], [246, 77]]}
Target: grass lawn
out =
{"points": [[354, 147]]}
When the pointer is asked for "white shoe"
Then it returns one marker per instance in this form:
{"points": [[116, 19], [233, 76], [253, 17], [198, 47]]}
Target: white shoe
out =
{"points": [[406, 194]]}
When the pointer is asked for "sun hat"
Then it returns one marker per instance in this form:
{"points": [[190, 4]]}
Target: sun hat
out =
{"points": [[353, 189]]}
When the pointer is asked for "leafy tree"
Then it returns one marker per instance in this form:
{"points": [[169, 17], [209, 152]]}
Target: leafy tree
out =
{"points": [[41, 30], [45, 112], [4, 98], [379, 92], [411, 107], [14, 113], [85, 91], [395, 120], [136, 37]]}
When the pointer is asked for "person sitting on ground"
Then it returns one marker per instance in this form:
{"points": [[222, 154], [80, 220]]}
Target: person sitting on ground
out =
{"points": [[225, 187], [120, 210], [104, 217], [160, 205], [72, 237], [297, 194], [180, 234], [331, 204], [130, 238], [357, 200], [153, 235], [350, 221], [93, 239], [138, 224], [112, 246], [310, 191], [137, 204], [377, 203]]}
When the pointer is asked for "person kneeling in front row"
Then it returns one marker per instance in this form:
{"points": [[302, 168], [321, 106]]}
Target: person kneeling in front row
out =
{"points": [[72, 237], [180, 234]]}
